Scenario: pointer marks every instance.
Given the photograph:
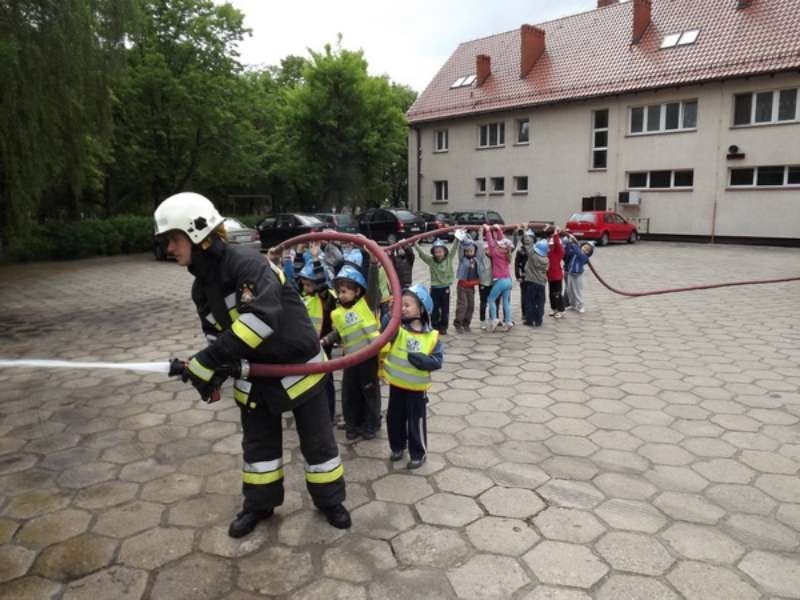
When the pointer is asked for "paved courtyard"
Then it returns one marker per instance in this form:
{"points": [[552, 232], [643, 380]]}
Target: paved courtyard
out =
{"points": [[648, 449]]}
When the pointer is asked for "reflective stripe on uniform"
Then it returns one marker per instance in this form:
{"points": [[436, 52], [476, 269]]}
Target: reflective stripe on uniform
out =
{"points": [[251, 330], [278, 272], [241, 392], [326, 472], [203, 372], [314, 307], [358, 335], [263, 472], [398, 370], [356, 325], [211, 319], [393, 372], [230, 303], [295, 385]]}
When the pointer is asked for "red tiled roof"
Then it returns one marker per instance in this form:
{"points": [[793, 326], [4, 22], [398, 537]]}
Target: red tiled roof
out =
{"points": [[590, 54]]}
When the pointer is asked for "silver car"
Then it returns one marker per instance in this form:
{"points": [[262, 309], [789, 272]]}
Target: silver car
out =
{"points": [[241, 235]]}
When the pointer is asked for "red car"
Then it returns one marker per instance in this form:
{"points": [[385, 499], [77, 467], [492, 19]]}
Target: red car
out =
{"points": [[602, 225]]}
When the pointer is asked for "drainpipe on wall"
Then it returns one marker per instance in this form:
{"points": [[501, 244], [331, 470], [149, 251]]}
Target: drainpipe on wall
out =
{"points": [[419, 168]]}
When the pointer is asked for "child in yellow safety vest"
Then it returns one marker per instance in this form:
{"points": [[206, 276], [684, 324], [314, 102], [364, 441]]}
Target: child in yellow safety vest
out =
{"points": [[354, 327], [320, 302], [414, 353]]}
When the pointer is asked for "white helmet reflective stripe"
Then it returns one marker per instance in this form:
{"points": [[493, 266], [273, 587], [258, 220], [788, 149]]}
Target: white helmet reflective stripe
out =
{"points": [[188, 212]]}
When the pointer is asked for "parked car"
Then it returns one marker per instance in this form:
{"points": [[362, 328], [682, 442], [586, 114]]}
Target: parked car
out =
{"points": [[389, 224], [237, 233], [477, 217], [281, 227], [343, 222], [602, 225], [434, 221]]}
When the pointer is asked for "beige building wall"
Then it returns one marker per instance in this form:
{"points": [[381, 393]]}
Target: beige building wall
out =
{"points": [[557, 163]]}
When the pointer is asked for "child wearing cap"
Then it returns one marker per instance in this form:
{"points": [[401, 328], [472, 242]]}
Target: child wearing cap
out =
{"points": [[468, 272], [577, 258], [440, 263], [535, 277], [500, 250], [415, 351]]}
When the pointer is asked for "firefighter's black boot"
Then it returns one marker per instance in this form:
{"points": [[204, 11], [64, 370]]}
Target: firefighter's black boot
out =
{"points": [[246, 521], [337, 516]]}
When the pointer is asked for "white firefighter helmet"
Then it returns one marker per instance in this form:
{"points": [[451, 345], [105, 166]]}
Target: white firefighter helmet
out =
{"points": [[188, 212]]}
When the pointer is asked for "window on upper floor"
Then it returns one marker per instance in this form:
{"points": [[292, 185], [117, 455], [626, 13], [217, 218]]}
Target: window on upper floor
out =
{"points": [[763, 108], [440, 140], [600, 139], [492, 135], [440, 191], [521, 184], [654, 180], [766, 176], [480, 185], [660, 118], [498, 185], [523, 131]]}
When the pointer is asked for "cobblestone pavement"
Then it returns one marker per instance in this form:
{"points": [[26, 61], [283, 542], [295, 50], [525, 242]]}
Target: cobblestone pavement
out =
{"points": [[648, 449]]}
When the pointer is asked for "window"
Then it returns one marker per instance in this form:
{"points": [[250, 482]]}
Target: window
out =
{"points": [[462, 81], [523, 131], [680, 39], [480, 185], [766, 176], [440, 141], [521, 183], [492, 135], [600, 139], [760, 108], [673, 116], [498, 185], [660, 180], [440, 191]]}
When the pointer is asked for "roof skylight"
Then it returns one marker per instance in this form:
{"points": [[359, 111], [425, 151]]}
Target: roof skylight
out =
{"points": [[670, 40], [680, 39], [688, 37], [463, 81]]}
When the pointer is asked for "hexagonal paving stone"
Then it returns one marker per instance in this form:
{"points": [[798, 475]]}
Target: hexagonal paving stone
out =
{"points": [[518, 475], [473, 457], [276, 570], [156, 547], [776, 574], [87, 474], [54, 527], [405, 489], [620, 485], [780, 487], [382, 520], [172, 488], [761, 532], [75, 557], [307, 527], [36, 503], [569, 467], [14, 561], [634, 552], [689, 507], [679, 479], [29, 587], [568, 525], [329, 589], [427, 546], [196, 577], [114, 582], [633, 587], [462, 481], [358, 559], [724, 470], [543, 592], [569, 445], [206, 510], [215, 540], [448, 509], [699, 581], [365, 469], [511, 502], [570, 494], [560, 563], [487, 577], [7, 530], [128, 519], [411, 584], [103, 495], [145, 470], [502, 536], [703, 543], [621, 461], [741, 498], [631, 515]]}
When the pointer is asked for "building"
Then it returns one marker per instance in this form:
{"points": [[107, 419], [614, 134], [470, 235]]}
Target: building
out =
{"points": [[681, 114]]}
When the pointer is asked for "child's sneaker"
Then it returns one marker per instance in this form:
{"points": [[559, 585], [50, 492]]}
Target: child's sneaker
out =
{"points": [[467, 329], [559, 315], [581, 310], [415, 463], [483, 325], [507, 327], [493, 325], [352, 434], [459, 329], [396, 455]]}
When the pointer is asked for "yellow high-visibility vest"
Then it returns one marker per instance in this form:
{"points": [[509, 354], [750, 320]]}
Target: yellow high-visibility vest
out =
{"points": [[398, 371], [357, 325], [314, 307]]}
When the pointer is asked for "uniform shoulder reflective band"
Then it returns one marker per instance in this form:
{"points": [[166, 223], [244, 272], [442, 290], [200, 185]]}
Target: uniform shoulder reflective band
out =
{"points": [[251, 330], [326, 472], [199, 369], [262, 473], [295, 385], [278, 272], [230, 303]]}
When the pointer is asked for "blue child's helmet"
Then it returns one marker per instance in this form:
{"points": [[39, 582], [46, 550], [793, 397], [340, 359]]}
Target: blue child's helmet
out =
{"points": [[439, 244], [350, 273], [423, 297], [354, 257], [308, 272], [542, 247]]}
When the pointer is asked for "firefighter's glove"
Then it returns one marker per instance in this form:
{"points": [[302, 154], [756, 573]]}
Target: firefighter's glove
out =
{"points": [[200, 372]]}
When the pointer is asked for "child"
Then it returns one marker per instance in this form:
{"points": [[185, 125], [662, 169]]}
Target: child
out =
{"points": [[577, 257], [440, 263], [355, 326], [470, 257], [320, 303], [535, 276], [484, 279], [403, 261], [555, 274], [500, 253], [414, 353], [521, 259]]}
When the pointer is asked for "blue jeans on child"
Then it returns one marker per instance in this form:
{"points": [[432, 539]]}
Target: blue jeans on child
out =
{"points": [[500, 288]]}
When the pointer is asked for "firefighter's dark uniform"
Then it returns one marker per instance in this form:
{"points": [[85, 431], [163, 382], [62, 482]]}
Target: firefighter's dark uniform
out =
{"points": [[249, 311]]}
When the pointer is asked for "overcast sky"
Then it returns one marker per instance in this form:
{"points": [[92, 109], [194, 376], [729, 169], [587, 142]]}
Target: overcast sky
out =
{"points": [[409, 40]]}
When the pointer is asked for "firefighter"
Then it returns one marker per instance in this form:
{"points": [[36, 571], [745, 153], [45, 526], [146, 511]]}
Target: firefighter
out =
{"points": [[249, 311]]}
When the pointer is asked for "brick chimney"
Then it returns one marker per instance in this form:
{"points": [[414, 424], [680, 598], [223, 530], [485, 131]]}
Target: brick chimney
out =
{"points": [[641, 18], [604, 3], [483, 68], [531, 48]]}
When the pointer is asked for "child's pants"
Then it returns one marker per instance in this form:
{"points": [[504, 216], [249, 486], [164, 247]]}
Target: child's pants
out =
{"points": [[523, 286], [406, 421], [575, 290], [441, 308], [556, 299], [534, 302], [361, 396], [465, 305], [501, 288], [483, 293]]}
